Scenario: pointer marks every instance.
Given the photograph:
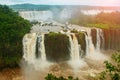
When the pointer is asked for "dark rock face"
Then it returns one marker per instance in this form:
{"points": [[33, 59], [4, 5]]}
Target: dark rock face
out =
{"points": [[112, 39], [81, 40], [57, 47], [94, 36]]}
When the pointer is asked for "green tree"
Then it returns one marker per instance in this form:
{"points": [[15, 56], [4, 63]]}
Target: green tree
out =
{"points": [[52, 77], [112, 71], [12, 30]]}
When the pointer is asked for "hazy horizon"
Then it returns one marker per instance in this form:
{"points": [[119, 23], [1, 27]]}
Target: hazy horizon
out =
{"points": [[65, 2]]}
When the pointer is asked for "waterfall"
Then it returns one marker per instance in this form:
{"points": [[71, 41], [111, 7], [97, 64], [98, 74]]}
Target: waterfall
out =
{"points": [[91, 51], [100, 39], [41, 47], [74, 47], [34, 48], [76, 61], [36, 15], [29, 47], [71, 49]]}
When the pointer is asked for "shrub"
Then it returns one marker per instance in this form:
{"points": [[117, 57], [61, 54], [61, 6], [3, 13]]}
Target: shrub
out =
{"points": [[112, 71], [52, 77]]}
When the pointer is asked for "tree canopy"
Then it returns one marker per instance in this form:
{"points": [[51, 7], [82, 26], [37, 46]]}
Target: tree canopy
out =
{"points": [[101, 20], [12, 30]]}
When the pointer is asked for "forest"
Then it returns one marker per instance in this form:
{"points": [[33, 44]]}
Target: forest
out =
{"points": [[12, 30], [101, 20]]}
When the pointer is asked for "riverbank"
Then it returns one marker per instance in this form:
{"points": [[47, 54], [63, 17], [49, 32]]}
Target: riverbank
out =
{"points": [[11, 74], [57, 69]]}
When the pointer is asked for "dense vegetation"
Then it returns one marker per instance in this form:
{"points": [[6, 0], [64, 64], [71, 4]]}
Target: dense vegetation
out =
{"points": [[12, 30], [57, 47], [101, 20], [112, 71], [52, 77]]}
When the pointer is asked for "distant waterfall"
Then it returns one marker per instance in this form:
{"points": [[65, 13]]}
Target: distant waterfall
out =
{"points": [[36, 15]]}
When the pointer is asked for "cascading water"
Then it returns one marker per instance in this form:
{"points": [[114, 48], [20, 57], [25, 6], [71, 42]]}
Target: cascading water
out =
{"points": [[41, 47], [98, 40], [91, 51], [36, 15], [34, 47], [29, 47], [76, 61], [35, 54], [74, 48], [102, 42], [29, 44]]}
